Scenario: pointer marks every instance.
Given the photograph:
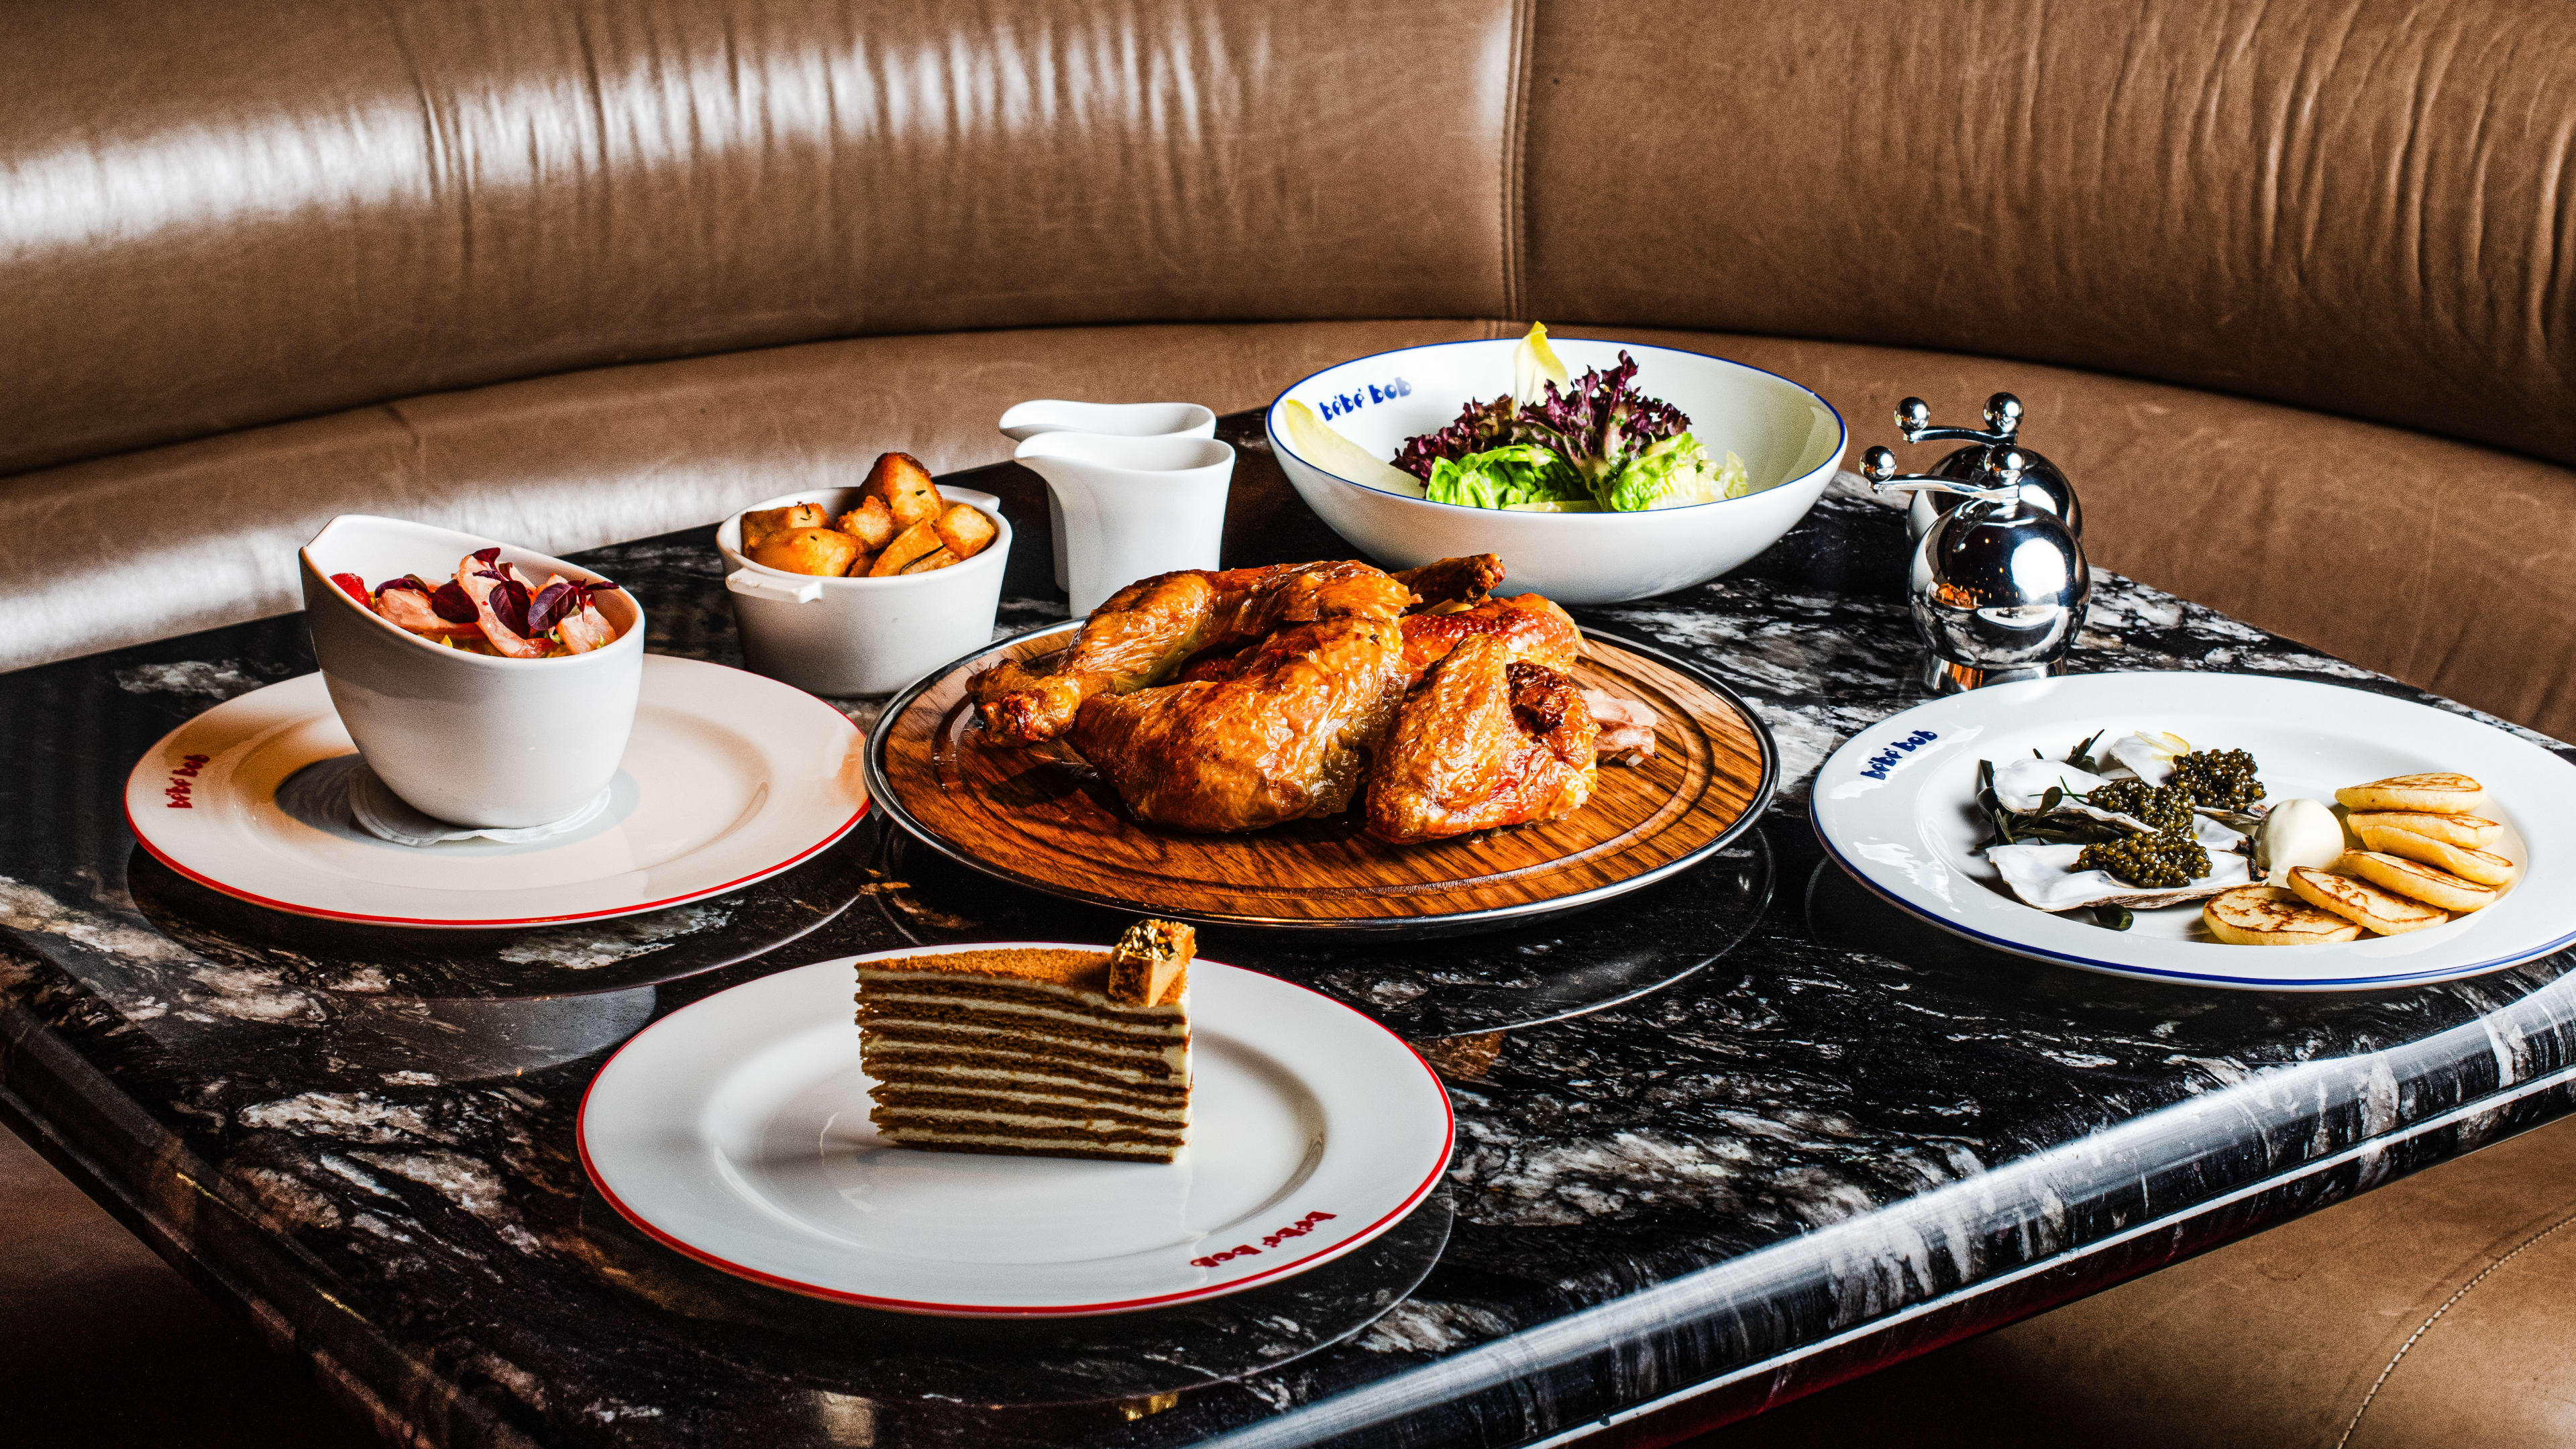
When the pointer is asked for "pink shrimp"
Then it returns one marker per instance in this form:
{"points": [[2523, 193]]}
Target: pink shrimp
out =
{"points": [[576, 622], [470, 576], [406, 604]]}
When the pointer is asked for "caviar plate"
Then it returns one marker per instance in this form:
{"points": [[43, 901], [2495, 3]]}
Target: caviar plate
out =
{"points": [[728, 779], [736, 1131], [1895, 806]]}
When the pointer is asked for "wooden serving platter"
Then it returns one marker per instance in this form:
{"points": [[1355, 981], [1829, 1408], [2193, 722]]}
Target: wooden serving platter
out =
{"points": [[1042, 818]]}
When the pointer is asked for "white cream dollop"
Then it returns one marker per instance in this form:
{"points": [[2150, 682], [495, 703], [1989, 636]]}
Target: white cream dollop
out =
{"points": [[2300, 833]]}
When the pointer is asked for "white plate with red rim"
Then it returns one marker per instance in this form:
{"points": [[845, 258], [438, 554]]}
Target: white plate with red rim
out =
{"points": [[736, 1131], [1895, 806], [728, 779]]}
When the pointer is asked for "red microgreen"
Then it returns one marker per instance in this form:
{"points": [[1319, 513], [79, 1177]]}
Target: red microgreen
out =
{"points": [[406, 582], [550, 606], [509, 600], [485, 556], [449, 601]]}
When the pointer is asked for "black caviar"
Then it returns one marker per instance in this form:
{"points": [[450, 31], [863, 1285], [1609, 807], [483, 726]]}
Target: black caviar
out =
{"points": [[2162, 807], [2217, 779], [2167, 860]]}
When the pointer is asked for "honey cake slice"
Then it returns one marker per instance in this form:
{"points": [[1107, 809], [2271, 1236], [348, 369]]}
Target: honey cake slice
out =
{"points": [[1028, 1051]]}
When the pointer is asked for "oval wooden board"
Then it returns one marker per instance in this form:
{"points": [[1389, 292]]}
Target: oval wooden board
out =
{"points": [[1042, 818]]}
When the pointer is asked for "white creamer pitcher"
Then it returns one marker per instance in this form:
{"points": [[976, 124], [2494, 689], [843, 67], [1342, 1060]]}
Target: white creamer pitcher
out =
{"points": [[1131, 508], [1117, 420]]}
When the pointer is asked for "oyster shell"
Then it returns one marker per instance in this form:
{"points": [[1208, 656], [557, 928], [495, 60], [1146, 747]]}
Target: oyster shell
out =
{"points": [[2149, 754], [2045, 876], [2020, 786]]}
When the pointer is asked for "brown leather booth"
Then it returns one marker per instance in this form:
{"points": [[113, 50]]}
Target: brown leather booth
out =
{"points": [[2288, 288]]}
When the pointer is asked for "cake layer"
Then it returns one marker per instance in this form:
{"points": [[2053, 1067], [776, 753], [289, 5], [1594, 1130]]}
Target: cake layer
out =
{"points": [[1063, 1020], [1007, 1147], [901, 1116], [906, 1127], [1027, 1044], [1078, 975], [930, 1066], [1162, 1113], [918, 986]]}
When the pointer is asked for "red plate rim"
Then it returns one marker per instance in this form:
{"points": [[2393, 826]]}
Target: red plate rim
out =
{"points": [[1413, 1199], [134, 827]]}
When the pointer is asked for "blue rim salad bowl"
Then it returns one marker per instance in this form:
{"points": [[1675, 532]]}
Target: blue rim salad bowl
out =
{"points": [[1551, 478]]}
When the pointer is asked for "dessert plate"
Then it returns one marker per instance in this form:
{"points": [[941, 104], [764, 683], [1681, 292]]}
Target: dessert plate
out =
{"points": [[1042, 818], [728, 778], [736, 1131], [1895, 806]]}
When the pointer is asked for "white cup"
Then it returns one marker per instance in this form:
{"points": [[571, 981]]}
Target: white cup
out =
{"points": [[1115, 420], [474, 739], [862, 636], [1132, 507]]}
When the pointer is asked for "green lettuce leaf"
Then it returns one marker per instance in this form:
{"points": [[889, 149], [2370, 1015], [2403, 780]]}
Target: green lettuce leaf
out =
{"points": [[1674, 472], [1505, 477]]}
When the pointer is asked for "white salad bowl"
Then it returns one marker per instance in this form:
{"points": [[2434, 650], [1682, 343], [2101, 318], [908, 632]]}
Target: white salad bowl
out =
{"points": [[1790, 440], [473, 739], [845, 636]]}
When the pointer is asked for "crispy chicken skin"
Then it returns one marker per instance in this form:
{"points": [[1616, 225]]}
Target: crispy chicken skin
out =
{"points": [[1485, 741], [1529, 627], [1526, 625], [1142, 634], [1221, 701], [1452, 580], [1285, 737]]}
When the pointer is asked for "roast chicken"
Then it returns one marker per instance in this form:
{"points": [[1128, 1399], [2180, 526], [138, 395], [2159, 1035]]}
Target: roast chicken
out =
{"points": [[1238, 699], [1487, 740]]}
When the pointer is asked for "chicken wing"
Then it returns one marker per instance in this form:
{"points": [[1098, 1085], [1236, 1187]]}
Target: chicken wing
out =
{"points": [[1143, 633], [1285, 737], [1529, 627], [1450, 581], [1487, 740]]}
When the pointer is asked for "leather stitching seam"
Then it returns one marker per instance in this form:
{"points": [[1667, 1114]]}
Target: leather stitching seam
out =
{"points": [[2435, 1317], [1515, 130]]}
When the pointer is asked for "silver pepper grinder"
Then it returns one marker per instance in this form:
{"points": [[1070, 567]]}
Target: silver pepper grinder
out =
{"points": [[2043, 486], [1998, 583]]}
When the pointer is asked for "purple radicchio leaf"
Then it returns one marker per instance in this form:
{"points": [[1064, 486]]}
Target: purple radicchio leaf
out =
{"points": [[1480, 426], [509, 600], [449, 601], [549, 607], [1604, 420], [1596, 426]]}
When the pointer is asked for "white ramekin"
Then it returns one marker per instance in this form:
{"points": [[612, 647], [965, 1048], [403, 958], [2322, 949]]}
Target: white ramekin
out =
{"points": [[862, 636]]}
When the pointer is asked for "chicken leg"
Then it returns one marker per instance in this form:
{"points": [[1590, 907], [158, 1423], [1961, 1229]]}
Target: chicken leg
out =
{"points": [[1487, 740]]}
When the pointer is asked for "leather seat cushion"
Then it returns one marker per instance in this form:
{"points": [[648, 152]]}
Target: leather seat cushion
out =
{"points": [[2433, 560], [193, 535], [2429, 1311]]}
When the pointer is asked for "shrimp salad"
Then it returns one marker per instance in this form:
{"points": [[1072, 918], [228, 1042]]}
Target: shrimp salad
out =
{"points": [[494, 608]]}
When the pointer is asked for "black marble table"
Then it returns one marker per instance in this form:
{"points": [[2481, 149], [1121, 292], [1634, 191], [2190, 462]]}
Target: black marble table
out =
{"points": [[1805, 1137]]}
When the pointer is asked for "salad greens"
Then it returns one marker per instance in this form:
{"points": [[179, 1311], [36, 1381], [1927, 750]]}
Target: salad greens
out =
{"points": [[1597, 444]]}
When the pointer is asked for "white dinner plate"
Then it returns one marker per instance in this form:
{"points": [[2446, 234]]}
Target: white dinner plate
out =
{"points": [[1896, 806], [729, 778], [736, 1131]]}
